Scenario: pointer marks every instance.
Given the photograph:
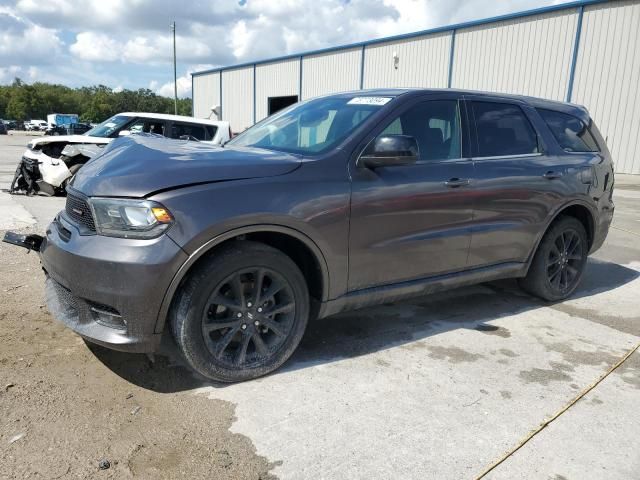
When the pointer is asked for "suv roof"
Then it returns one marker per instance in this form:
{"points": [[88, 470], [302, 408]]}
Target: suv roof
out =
{"points": [[536, 102], [177, 118]]}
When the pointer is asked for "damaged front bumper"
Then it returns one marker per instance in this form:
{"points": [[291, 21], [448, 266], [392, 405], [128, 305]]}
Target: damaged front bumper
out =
{"points": [[95, 322], [108, 290], [30, 242]]}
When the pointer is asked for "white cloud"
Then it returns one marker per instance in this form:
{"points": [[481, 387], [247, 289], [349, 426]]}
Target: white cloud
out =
{"points": [[184, 83], [184, 87], [7, 74], [100, 47], [96, 47], [22, 41], [240, 40], [129, 43], [125, 16]]}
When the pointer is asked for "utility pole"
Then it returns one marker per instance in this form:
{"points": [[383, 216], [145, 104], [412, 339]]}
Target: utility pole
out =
{"points": [[175, 75]]}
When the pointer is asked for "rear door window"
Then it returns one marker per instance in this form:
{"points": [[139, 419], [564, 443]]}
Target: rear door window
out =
{"points": [[147, 125], [199, 132], [571, 133], [503, 129]]}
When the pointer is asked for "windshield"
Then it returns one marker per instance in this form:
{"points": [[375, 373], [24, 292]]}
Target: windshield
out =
{"points": [[109, 126], [311, 127]]}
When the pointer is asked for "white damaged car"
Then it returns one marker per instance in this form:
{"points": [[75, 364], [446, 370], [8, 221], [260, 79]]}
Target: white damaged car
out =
{"points": [[49, 163]]}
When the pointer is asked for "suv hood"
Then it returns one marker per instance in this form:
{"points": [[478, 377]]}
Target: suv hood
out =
{"points": [[139, 165], [70, 139]]}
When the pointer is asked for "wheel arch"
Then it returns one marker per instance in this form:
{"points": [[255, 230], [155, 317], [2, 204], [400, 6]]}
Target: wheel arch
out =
{"points": [[293, 243], [580, 210]]}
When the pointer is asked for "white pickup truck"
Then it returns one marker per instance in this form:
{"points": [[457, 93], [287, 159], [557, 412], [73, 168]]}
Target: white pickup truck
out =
{"points": [[50, 162]]}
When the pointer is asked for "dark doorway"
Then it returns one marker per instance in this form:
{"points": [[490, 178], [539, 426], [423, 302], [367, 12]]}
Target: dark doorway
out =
{"points": [[278, 103]]}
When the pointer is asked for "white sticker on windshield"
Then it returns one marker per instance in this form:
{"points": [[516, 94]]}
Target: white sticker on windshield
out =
{"points": [[369, 101], [110, 125]]}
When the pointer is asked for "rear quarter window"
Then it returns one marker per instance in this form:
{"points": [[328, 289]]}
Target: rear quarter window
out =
{"points": [[571, 133]]}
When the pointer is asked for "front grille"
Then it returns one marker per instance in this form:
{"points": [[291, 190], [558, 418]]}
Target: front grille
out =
{"points": [[61, 302], [78, 209]]}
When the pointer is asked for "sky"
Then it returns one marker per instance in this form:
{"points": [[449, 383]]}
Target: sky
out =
{"points": [[128, 43]]}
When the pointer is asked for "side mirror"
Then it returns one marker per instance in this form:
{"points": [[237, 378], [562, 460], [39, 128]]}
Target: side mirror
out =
{"points": [[124, 133], [389, 151]]}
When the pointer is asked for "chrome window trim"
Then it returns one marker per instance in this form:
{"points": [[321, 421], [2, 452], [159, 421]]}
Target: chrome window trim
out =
{"points": [[498, 157], [593, 152]]}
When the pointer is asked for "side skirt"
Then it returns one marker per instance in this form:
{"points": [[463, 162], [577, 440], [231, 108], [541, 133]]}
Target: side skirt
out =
{"points": [[417, 288]]}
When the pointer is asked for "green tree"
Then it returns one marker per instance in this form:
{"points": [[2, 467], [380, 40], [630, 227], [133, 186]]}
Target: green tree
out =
{"points": [[21, 101]]}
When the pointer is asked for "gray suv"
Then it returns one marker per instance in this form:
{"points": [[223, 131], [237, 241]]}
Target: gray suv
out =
{"points": [[333, 204]]}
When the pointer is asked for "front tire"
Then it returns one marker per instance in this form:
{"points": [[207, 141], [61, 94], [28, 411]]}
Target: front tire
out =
{"points": [[559, 262], [241, 313]]}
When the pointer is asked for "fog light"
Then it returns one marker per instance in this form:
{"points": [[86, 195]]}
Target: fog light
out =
{"points": [[108, 316]]}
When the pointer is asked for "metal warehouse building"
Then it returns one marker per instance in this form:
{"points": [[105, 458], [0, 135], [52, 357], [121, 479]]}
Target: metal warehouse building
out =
{"points": [[585, 52]]}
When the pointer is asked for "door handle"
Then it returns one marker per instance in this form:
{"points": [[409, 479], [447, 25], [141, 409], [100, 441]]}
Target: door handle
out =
{"points": [[550, 175], [457, 182]]}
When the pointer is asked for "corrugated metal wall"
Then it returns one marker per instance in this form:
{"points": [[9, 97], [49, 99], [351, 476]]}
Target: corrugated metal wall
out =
{"points": [[276, 79], [237, 97], [206, 94], [331, 72], [422, 62], [607, 79], [530, 56]]}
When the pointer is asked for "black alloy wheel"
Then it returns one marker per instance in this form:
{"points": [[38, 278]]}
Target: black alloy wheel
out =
{"points": [[248, 317], [241, 313], [559, 261], [564, 261]]}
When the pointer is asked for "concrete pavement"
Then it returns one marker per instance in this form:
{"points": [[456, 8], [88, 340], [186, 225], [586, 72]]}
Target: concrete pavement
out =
{"points": [[443, 386]]}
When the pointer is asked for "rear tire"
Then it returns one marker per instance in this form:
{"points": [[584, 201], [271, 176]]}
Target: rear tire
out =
{"points": [[559, 262], [241, 313]]}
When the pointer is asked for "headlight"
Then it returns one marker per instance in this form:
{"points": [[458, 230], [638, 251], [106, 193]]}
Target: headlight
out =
{"points": [[115, 217]]}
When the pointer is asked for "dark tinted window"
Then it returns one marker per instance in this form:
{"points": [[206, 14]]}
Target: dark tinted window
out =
{"points": [[200, 132], [503, 129], [570, 132], [435, 126]]}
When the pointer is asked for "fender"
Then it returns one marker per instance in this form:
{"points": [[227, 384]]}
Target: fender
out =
{"points": [[551, 218], [217, 240]]}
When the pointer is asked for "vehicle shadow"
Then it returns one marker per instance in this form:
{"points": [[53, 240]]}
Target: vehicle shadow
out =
{"points": [[373, 329], [163, 372]]}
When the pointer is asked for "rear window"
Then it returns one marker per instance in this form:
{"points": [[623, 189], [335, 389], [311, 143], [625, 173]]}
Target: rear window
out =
{"points": [[571, 133], [503, 130]]}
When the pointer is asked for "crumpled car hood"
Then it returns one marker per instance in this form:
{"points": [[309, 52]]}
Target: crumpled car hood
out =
{"points": [[139, 165], [70, 139]]}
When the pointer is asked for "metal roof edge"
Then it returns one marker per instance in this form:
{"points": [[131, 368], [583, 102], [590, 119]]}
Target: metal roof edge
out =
{"points": [[446, 28]]}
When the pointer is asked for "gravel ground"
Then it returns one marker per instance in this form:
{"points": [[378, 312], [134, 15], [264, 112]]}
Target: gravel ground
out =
{"points": [[64, 407]]}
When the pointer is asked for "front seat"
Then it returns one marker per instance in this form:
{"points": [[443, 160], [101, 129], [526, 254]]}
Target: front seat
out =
{"points": [[430, 141]]}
